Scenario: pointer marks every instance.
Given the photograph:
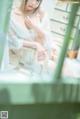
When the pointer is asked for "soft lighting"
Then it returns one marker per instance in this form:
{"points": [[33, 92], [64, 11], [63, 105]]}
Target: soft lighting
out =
{"points": [[70, 1]]}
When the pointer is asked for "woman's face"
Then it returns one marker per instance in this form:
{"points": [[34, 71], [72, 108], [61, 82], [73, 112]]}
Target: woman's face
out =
{"points": [[32, 5]]}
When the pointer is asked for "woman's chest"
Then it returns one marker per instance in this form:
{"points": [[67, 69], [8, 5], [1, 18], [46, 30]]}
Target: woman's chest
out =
{"points": [[20, 20], [21, 28]]}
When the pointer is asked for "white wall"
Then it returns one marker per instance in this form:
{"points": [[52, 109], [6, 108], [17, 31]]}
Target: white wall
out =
{"points": [[49, 4]]}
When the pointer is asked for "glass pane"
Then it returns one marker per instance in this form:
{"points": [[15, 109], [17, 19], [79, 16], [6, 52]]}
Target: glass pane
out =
{"points": [[30, 48], [35, 39]]}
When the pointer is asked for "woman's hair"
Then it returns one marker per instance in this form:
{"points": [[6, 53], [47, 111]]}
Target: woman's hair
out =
{"points": [[24, 2]]}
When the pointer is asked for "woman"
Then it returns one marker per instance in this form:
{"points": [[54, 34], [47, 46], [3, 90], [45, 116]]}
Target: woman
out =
{"points": [[29, 34]]}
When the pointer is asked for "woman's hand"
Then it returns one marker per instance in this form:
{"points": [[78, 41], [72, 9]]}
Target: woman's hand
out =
{"points": [[41, 53], [28, 22]]}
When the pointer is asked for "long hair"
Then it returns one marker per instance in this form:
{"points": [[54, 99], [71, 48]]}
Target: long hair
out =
{"points": [[24, 2]]}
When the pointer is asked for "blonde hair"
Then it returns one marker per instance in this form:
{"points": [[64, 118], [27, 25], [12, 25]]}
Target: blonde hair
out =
{"points": [[22, 6]]}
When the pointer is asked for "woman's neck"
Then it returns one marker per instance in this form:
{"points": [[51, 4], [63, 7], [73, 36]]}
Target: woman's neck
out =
{"points": [[29, 13]]}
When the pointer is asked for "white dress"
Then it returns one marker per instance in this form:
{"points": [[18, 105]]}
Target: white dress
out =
{"points": [[17, 33]]}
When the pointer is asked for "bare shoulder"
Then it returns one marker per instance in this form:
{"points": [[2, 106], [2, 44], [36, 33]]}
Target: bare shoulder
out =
{"points": [[16, 11], [42, 13]]}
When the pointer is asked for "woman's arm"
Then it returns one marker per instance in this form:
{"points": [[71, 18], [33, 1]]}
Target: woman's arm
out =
{"points": [[18, 42], [28, 44], [40, 35]]}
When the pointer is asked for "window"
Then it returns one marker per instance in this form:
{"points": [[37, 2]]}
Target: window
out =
{"points": [[23, 46]]}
